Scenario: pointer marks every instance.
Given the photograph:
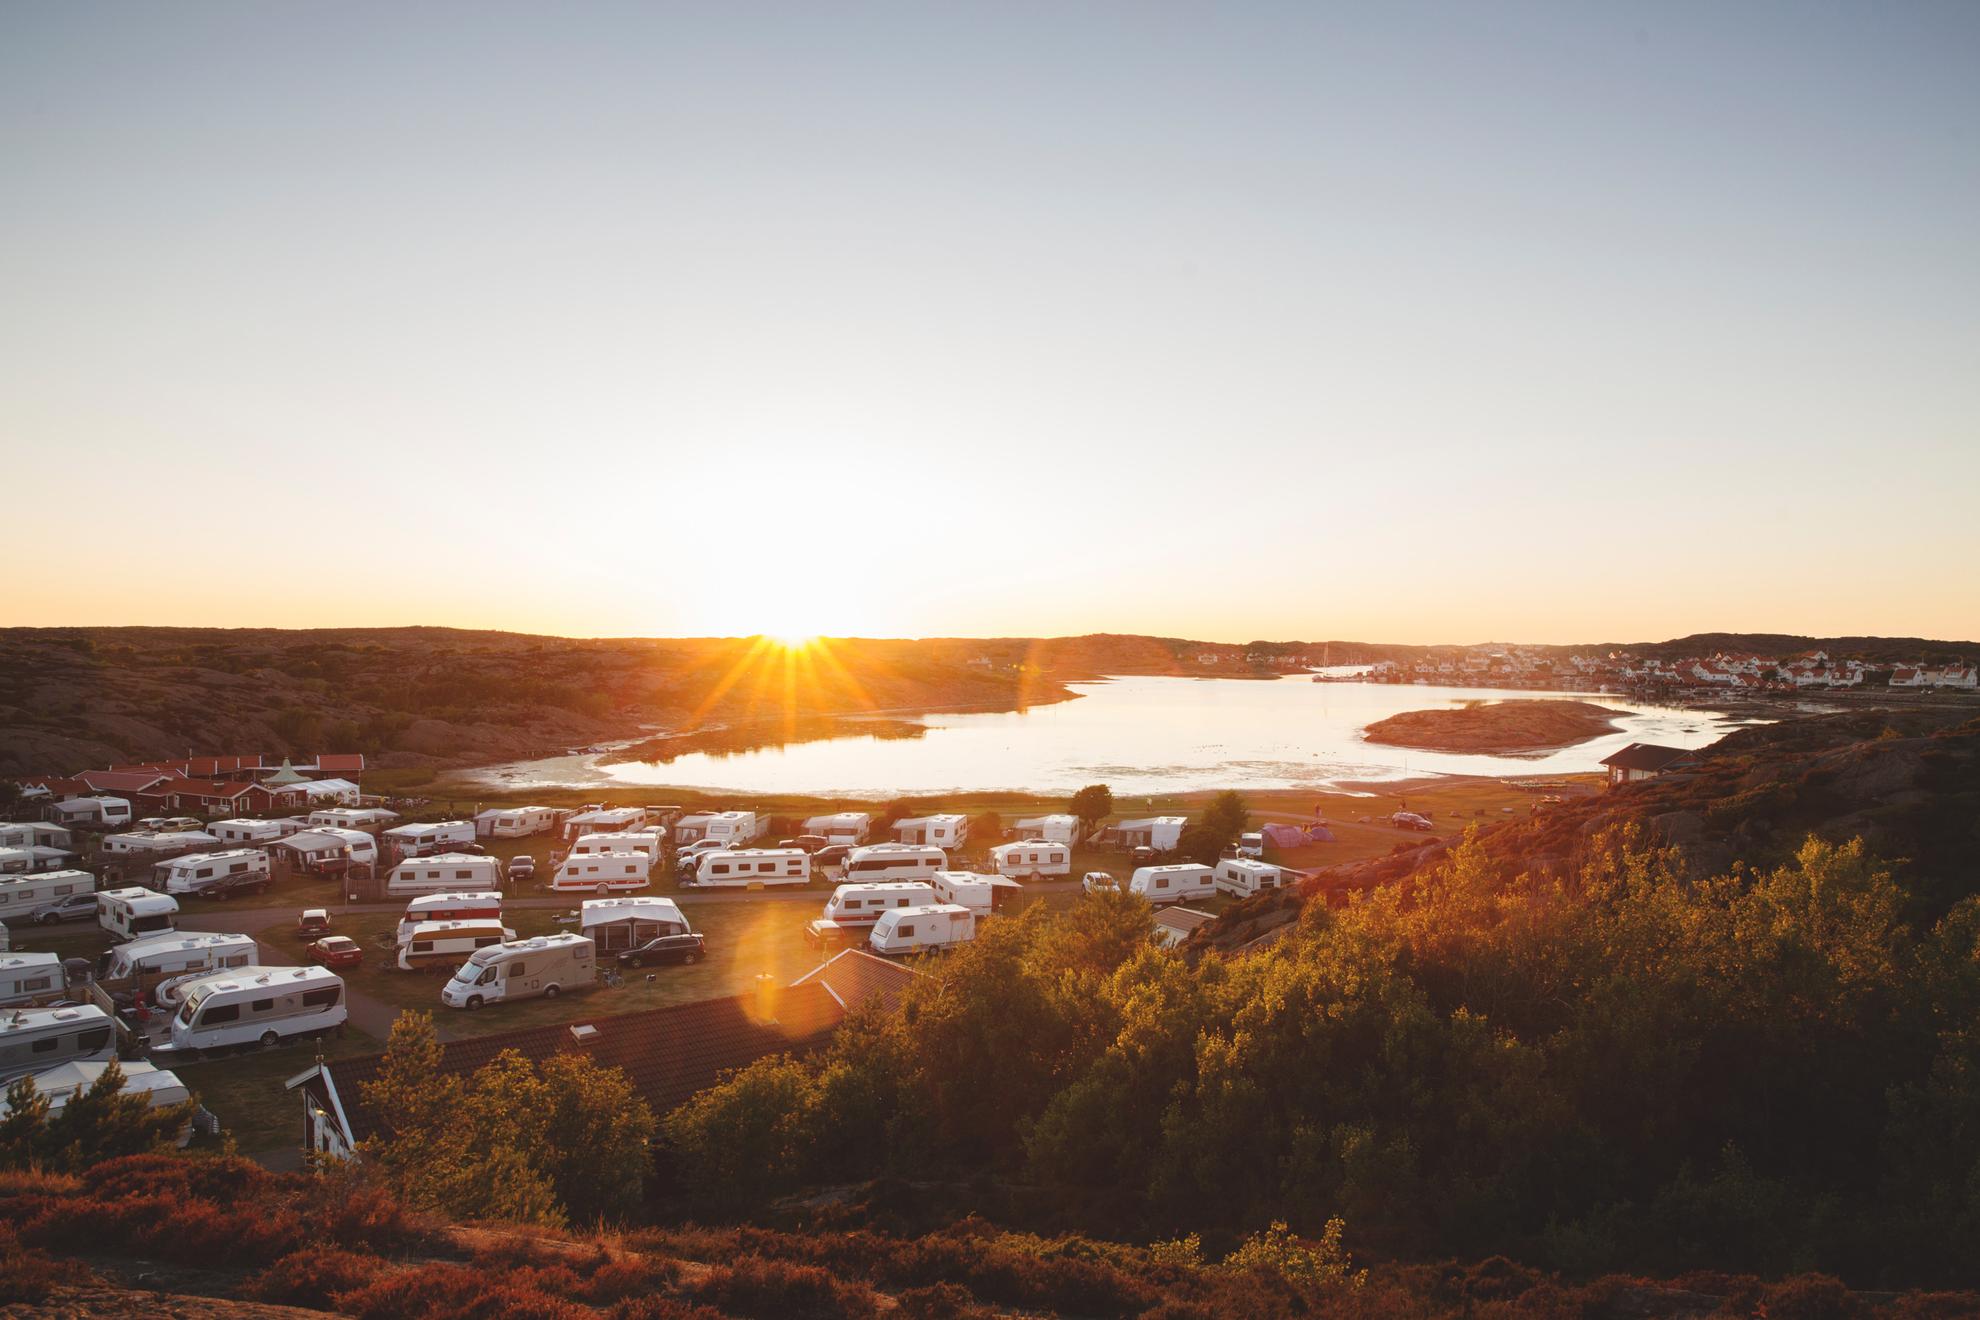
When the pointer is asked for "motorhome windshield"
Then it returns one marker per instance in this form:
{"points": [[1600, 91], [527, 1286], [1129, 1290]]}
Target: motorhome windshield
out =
{"points": [[190, 1009]]}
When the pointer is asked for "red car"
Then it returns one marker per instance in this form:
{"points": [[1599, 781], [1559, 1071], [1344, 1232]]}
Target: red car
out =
{"points": [[337, 951]]}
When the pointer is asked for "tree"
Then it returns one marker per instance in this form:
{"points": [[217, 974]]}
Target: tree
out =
{"points": [[1206, 839], [100, 1121], [1092, 805]]}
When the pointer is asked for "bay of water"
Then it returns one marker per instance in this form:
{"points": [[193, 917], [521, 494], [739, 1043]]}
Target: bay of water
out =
{"points": [[1141, 735]]}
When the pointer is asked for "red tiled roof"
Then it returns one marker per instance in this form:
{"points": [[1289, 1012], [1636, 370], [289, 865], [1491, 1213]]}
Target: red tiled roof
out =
{"points": [[58, 786], [340, 761], [121, 781], [667, 1054], [854, 976], [1646, 756], [207, 788]]}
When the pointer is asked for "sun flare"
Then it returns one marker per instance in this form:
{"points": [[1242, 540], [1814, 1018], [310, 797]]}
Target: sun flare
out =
{"points": [[794, 641]]}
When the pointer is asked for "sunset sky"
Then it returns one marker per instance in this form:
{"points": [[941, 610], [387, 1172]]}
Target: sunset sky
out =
{"points": [[1395, 322]]}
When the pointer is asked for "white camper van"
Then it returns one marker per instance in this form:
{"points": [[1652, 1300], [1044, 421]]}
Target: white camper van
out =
{"points": [[942, 830], [862, 904], [197, 871], [129, 913], [601, 873], [522, 969], [732, 829], [21, 895], [367, 819], [920, 929], [476, 905], [1033, 859], [750, 868], [449, 943], [253, 831], [1173, 884], [1243, 877], [515, 822], [604, 820], [27, 977], [141, 964], [847, 827], [981, 894], [1060, 828], [428, 838], [36, 1039], [895, 861], [448, 871], [139, 842], [621, 841], [326, 846], [258, 1006], [614, 925]]}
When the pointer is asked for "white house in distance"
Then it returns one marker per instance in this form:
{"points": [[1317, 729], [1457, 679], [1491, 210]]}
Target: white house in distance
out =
{"points": [[946, 830], [1059, 828], [847, 827], [1962, 677], [1162, 833]]}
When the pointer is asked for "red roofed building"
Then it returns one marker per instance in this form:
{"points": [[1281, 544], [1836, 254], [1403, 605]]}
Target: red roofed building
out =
{"points": [[130, 782], [235, 798]]}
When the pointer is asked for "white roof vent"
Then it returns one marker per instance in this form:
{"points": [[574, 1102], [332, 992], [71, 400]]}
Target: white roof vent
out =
{"points": [[583, 1033]]}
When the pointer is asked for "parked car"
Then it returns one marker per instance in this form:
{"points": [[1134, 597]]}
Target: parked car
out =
{"points": [[811, 843], [700, 846], [75, 907], [312, 923], [336, 951], [683, 948], [1409, 820], [233, 886], [1099, 882], [834, 855], [522, 867]]}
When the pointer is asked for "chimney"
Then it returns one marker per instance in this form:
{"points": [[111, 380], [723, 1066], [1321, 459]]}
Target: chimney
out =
{"points": [[584, 1034]]}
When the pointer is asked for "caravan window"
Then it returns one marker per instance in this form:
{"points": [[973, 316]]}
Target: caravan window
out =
{"points": [[464, 875], [94, 1040], [220, 1013], [904, 930], [766, 867], [515, 969], [323, 998], [237, 868], [262, 1005], [46, 1043], [39, 983]]}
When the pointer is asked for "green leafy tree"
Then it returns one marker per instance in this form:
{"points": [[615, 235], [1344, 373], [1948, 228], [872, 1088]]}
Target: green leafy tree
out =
{"points": [[1092, 804], [1206, 838], [97, 1122]]}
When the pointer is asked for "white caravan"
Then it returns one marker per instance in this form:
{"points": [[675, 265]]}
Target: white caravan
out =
{"points": [[625, 841], [129, 913], [243, 830], [981, 894], [920, 929], [21, 895], [161, 1088], [474, 905], [326, 843], [428, 838], [1052, 829], [515, 822], [449, 942], [369, 819], [750, 868], [34, 834], [604, 820], [444, 873], [141, 964], [730, 828], [26, 977], [944, 830], [1162, 833], [847, 827], [93, 811], [894, 861], [1033, 859], [158, 841], [862, 904], [197, 871], [1173, 884], [1243, 877], [258, 1006], [601, 873], [36, 1039], [522, 969], [614, 925]]}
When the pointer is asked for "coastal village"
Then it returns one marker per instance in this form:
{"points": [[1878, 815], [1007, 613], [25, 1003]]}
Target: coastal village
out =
{"points": [[1705, 675]]}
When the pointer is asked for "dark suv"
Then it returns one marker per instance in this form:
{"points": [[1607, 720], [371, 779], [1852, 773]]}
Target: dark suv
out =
{"points": [[229, 886], [685, 948], [76, 907]]}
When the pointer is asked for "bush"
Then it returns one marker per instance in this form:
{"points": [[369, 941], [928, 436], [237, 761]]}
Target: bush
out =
{"points": [[449, 1292], [312, 1276], [766, 1289], [940, 1301]]}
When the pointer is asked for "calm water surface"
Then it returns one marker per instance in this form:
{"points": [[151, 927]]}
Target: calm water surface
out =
{"points": [[1140, 735]]}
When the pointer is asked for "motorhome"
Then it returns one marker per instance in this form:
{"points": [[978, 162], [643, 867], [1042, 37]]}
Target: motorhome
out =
{"points": [[862, 904], [369, 819], [894, 861], [108, 811], [1245, 876], [522, 969], [847, 827], [1033, 859], [449, 943], [614, 925], [28, 977], [21, 895], [601, 873], [446, 873], [1052, 829], [515, 822], [139, 842], [141, 963], [922, 929], [732, 829], [32, 860], [981, 894], [749, 868], [1251, 844], [36, 1039], [35, 834], [197, 871], [603, 820], [944, 830], [1173, 884], [259, 1006], [624, 841], [427, 838], [129, 913], [254, 831], [453, 905]]}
